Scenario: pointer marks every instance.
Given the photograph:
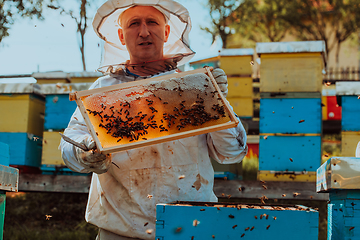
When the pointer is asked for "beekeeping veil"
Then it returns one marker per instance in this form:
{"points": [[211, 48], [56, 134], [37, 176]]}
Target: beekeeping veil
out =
{"points": [[106, 26]]}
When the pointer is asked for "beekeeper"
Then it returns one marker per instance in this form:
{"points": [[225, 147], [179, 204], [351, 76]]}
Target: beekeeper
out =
{"points": [[127, 185]]}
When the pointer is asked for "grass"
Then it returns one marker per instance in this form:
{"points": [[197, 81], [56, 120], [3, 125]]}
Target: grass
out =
{"points": [[45, 216]]}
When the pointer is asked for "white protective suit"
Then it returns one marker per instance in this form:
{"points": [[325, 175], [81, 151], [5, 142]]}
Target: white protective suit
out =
{"points": [[123, 199]]}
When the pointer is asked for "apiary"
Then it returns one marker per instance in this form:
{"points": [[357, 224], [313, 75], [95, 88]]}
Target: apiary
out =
{"points": [[299, 153], [25, 148], [291, 66], [339, 176], [196, 220], [290, 113], [154, 110], [236, 61], [23, 106], [58, 107]]}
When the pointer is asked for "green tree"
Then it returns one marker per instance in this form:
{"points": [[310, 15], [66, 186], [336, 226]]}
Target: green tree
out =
{"points": [[222, 17], [10, 10], [332, 21]]}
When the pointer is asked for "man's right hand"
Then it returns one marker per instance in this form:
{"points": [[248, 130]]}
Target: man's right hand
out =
{"points": [[92, 159]]}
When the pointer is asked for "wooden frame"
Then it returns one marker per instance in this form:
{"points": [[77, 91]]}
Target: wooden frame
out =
{"points": [[77, 96]]}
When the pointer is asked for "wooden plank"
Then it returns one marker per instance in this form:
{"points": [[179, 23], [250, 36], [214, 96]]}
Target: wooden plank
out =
{"points": [[54, 183], [250, 189], [108, 144], [274, 190], [9, 178]]}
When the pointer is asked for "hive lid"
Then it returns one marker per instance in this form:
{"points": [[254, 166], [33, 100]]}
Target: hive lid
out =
{"points": [[347, 88], [20, 88], [338, 173], [237, 52], [63, 88]]}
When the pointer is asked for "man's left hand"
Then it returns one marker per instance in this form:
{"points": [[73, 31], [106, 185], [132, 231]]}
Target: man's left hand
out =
{"points": [[221, 80]]}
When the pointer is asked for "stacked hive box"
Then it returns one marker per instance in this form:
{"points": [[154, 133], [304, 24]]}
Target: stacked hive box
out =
{"points": [[58, 111], [347, 94], [237, 65], [21, 123], [191, 220], [290, 110], [339, 176]]}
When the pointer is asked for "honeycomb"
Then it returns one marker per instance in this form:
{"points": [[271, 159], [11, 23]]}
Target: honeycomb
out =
{"points": [[154, 109]]}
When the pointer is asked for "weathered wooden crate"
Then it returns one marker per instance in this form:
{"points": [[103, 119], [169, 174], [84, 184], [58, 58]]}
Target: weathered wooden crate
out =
{"points": [[194, 220], [289, 153], [58, 107], [349, 141], [291, 66], [236, 61], [290, 115], [242, 106], [25, 148], [240, 87], [23, 108]]}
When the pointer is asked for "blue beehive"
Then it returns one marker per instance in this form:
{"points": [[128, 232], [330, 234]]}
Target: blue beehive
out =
{"points": [[233, 221], [4, 154], [350, 111], [58, 107], [290, 115], [289, 153], [25, 148]]}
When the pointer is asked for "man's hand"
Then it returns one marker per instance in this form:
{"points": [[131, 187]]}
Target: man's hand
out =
{"points": [[95, 161], [221, 80]]}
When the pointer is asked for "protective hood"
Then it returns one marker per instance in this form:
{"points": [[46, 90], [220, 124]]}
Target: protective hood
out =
{"points": [[106, 26]]}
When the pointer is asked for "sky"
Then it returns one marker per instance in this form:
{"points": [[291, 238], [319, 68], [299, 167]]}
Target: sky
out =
{"points": [[52, 44]]}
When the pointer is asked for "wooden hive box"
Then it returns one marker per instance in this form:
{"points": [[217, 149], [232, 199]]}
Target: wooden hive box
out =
{"points": [[291, 66], [290, 113], [58, 107], [242, 106], [155, 110], [240, 87], [289, 153], [23, 108], [348, 93], [236, 61], [25, 148], [349, 141], [196, 220], [51, 155]]}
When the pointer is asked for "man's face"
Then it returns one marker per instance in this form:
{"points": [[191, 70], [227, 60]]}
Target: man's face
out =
{"points": [[144, 32]]}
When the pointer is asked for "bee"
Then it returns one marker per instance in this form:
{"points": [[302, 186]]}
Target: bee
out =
{"points": [[327, 84], [267, 227], [326, 155], [261, 216], [229, 196], [243, 235], [240, 189], [48, 217], [351, 228], [238, 207], [252, 228], [149, 196], [265, 187], [218, 208], [274, 218], [246, 229], [202, 209], [181, 176], [192, 237], [195, 223], [234, 226], [146, 224], [291, 160], [284, 195], [223, 194], [231, 216], [35, 138], [296, 194], [267, 216], [149, 231], [178, 229], [255, 217], [302, 120], [265, 137], [262, 181], [225, 178], [213, 236]]}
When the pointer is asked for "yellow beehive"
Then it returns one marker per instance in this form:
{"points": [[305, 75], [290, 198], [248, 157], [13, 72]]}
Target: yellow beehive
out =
{"points": [[349, 141], [242, 106], [237, 61], [240, 87], [50, 153], [23, 108], [291, 66], [286, 177]]}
